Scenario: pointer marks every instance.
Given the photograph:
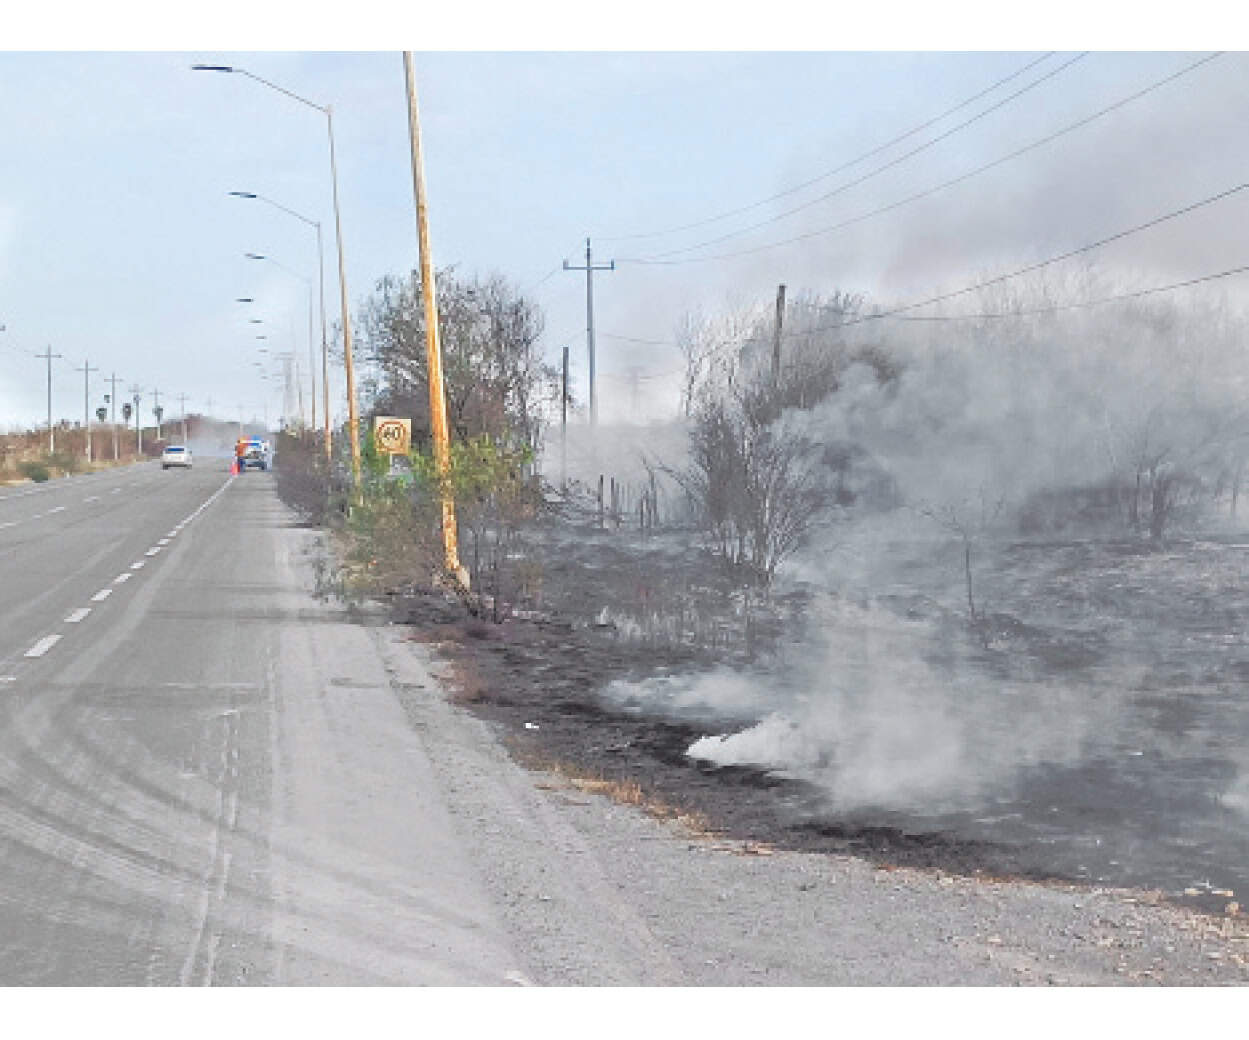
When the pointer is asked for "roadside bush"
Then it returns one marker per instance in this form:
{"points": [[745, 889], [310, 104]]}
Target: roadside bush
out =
{"points": [[35, 469], [303, 479], [67, 462]]}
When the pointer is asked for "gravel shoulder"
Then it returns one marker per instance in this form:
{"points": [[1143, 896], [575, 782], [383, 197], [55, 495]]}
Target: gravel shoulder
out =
{"points": [[597, 891]]}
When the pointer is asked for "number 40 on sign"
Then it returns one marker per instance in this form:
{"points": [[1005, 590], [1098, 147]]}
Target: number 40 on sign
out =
{"points": [[392, 436]]}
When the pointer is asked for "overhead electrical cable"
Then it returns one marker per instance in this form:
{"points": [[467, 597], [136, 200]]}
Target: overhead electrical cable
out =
{"points": [[550, 274], [896, 161], [633, 339], [1054, 308], [1117, 236], [928, 192], [839, 169], [1029, 311]]}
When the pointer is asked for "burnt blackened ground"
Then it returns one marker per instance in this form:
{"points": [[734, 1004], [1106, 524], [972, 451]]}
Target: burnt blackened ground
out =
{"points": [[1144, 809], [540, 680]]}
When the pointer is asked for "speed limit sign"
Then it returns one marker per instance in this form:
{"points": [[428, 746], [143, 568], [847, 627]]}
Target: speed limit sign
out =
{"points": [[392, 436]]}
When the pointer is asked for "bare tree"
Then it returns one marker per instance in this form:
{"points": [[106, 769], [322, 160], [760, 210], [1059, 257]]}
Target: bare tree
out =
{"points": [[496, 381], [969, 520]]}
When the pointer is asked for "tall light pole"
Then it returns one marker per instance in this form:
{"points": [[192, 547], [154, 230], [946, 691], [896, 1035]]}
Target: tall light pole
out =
{"points": [[311, 354], [437, 398], [138, 421], [86, 371], [325, 350], [328, 112], [48, 356], [112, 400]]}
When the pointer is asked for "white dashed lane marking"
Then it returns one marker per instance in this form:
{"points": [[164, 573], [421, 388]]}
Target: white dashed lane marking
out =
{"points": [[81, 613], [43, 646]]}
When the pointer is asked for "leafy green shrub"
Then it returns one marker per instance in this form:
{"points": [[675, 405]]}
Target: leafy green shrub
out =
{"points": [[35, 470]]}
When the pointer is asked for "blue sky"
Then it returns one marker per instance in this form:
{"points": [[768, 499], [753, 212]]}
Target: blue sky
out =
{"points": [[119, 243]]}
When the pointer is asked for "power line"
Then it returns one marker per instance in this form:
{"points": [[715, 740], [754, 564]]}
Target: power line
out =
{"points": [[1041, 142], [1117, 236], [1054, 308], [550, 274], [1048, 309], [844, 166], [634, 339], [896, 161]]}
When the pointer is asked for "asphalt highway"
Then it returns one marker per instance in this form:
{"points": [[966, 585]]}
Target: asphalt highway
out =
{"points": [[203, 776]]}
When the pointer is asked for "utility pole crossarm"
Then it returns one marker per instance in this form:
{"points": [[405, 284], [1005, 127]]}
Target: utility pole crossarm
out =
{"points": [[589, 268]]}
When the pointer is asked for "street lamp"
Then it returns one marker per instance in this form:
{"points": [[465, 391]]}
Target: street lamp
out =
{"points": [[325, 350], [328, 112], [299, 383]]}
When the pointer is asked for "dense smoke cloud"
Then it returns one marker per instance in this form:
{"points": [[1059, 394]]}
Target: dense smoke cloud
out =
{"points": [[888, 711]]}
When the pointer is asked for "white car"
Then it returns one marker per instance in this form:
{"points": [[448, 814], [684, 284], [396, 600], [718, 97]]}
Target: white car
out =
{"points": [[176, 455]]}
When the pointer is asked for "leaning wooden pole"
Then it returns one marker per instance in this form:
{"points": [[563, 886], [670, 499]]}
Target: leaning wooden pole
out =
{"points": [[433, 349]]}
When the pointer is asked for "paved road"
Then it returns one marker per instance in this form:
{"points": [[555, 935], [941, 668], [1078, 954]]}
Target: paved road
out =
{"points": [[204, 778]]}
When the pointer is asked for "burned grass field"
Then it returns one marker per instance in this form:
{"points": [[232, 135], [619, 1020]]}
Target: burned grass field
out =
{"points": [[1089, 726]]}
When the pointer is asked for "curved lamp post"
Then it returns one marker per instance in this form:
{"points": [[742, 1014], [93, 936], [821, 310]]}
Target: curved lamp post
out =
{"points": [[325, 350], [328, 112]]}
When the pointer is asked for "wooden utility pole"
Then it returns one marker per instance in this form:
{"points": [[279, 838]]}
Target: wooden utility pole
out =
{"points": [[563, 428], [433, 349], [48, 356], [589, 270], [776, 339], [156, 410], [86, 371], [182, 407]]}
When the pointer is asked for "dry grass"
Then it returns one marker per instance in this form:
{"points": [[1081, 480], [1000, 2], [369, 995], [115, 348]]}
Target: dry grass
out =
{"points": [[622, 792], [17, 449]]}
